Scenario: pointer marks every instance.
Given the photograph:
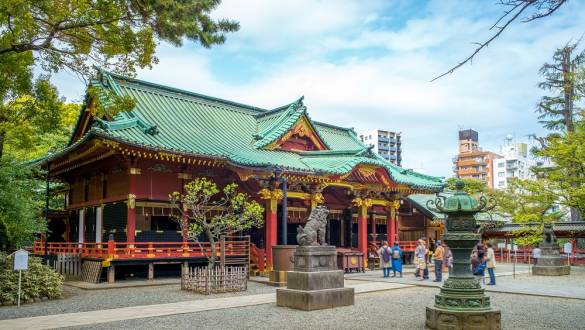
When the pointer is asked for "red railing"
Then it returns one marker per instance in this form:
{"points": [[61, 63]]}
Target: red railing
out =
{"points": [[258, 257], [234, 246], [524, 255]]}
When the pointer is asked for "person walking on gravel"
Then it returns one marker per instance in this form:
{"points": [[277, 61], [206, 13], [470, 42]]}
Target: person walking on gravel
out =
{"points": [[385, 254], [396, 259], [438, 257], [491, 264], [421, 258]]}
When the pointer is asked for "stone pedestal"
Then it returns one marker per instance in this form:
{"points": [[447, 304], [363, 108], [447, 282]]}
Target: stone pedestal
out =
{"points": [[551, 263], [315, 283]]}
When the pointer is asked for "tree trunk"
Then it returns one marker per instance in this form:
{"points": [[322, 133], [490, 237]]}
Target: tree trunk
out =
{"points": [[568, 88], [211, 260], [2, 135]]}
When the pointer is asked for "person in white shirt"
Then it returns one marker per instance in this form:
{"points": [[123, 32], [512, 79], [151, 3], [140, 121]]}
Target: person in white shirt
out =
{"points": [[536, 253], [491, 264]]}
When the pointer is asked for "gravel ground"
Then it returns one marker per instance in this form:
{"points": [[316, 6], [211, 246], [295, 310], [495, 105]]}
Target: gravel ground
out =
{"points": [[397, 309], [78, 300]]}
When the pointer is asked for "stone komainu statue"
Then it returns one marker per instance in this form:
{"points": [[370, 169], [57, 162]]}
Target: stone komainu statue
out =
{"points": [[549, 234], [314, 230]]}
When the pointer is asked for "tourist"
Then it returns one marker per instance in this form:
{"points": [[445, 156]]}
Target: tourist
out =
{"points": [[448, 260], [478, 263], [438, 257], [536, 252], [385, 253], [420, 255], [491, 264], [396, 259]]}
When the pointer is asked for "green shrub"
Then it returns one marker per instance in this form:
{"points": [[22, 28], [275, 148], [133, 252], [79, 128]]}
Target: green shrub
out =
{"points": [[37, 282]]}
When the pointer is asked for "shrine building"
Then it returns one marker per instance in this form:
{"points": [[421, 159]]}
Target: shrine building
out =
{"points": [[118, 173]]}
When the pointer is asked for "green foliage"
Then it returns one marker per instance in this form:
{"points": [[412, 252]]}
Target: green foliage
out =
{"points": [[472, 186], [528, 202], [215, 213], [75, 35], [37, 282], [20, 205], [565, 79], [120, 35], [33, 125], [566, 175]]}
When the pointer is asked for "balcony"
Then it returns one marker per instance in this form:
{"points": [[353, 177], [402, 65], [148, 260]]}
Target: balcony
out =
{"points": [[382, 147], [383, 139]]}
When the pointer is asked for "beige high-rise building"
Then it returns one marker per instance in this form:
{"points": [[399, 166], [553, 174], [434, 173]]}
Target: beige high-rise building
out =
{"points": [[472, 162]]}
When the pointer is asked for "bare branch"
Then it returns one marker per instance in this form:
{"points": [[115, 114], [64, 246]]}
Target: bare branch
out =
{"points": [[518, 6]]}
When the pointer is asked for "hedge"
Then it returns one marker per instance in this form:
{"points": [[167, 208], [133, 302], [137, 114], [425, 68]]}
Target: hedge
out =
{"points": [[38, 282]]}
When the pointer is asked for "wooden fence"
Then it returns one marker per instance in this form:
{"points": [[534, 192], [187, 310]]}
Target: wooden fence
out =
{"points": [[68, 265], [218, 280]]}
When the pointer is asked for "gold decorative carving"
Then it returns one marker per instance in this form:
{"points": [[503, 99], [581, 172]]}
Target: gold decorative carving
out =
{"points": [[135, 171], [131, 201], [367, 170], [358, 201], [317, 198], [395, 204], [270, 194]]}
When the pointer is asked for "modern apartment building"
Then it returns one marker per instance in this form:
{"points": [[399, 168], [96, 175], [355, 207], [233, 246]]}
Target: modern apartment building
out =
{"points": [[472, 162], [515, 163], [386, 143]]}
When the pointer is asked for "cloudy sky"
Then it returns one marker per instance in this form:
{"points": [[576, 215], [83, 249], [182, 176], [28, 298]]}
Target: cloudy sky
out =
{"points": [[368, 64]]}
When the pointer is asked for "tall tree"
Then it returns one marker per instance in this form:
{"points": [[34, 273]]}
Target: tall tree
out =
{"points": [[19, 205], [564, 78]]}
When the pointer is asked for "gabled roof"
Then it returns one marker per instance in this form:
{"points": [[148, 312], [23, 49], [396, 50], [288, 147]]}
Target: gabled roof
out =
{"points": [[273, 125], [174, 120]]}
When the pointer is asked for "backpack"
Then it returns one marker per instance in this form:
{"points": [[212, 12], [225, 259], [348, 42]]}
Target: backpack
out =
{"points": [[396, 254], [385, 255], [480, 269]]}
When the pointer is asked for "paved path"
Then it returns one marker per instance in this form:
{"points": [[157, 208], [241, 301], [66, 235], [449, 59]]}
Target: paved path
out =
{"points": [[137, 312]]}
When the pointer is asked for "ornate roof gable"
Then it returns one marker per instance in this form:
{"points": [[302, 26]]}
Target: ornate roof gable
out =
{"points": [[291, 130]]}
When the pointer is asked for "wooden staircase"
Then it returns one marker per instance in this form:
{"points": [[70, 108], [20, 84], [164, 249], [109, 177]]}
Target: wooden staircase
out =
{"points": [[257, 261]]}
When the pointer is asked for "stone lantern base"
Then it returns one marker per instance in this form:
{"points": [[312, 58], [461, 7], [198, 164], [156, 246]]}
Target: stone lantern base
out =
{"points": [[462, 304], [447, 319]]}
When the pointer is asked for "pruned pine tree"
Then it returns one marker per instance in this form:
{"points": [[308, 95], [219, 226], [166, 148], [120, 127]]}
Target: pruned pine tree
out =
{"points": [[207, 210]]}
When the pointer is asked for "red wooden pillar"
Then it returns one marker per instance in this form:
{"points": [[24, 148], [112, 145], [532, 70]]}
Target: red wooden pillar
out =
{"points": [[362, 205], [131, 226], [373, 220], [392, 222], [270, 224], [390, 226]]}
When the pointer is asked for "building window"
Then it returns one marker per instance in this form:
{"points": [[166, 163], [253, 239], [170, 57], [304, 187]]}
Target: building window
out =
{"points": [[501, 174], [501, 183], [501, 165]]}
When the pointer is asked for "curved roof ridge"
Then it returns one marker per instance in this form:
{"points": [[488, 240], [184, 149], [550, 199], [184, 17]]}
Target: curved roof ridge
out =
{"points": [[179, 91]]}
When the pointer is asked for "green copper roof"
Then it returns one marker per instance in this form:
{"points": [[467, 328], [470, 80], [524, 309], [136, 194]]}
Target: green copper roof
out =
{"points": [[179, 121]]}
